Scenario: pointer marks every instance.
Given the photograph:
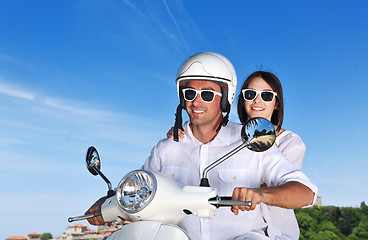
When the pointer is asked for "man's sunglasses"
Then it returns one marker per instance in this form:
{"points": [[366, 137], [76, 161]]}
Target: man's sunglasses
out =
{"points": [[250, 94], [206, 95]]}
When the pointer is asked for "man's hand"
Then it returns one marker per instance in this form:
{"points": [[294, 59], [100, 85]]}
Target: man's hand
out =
{"points": [[246, 194], [96, 207], [291, 195]]}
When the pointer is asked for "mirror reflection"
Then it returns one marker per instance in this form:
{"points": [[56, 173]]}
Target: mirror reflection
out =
{"points": [[93, 160], [258, 134]]}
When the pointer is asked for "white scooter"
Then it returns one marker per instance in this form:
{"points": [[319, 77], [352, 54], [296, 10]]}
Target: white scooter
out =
{"points": [[155, 204]]}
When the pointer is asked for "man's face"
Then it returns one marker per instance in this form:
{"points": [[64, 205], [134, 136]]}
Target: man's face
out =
{"points": [[202, 113]]}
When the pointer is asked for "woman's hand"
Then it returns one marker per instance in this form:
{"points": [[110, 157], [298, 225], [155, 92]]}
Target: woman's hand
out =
{"points": [[170, 133]]}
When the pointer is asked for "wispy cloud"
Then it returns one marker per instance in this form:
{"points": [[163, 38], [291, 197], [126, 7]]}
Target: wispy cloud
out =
{"points": [[162, 77], [6, 139], [189, 22], [67, 106], [60, 122], [15, 92], [170, 18], [47, 138], [16, 62], [177, 26], [132, 6]]}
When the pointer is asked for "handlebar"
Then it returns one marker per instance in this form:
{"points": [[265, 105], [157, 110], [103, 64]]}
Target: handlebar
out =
{"points": [[87, 216], [226, 201]]}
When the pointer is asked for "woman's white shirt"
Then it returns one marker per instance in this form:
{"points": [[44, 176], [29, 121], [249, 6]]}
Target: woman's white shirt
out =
{"points": [[282, 223], [292, 146]]}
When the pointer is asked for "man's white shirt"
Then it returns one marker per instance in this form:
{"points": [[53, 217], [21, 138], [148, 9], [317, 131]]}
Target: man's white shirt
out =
{"points": [[184, 162]]}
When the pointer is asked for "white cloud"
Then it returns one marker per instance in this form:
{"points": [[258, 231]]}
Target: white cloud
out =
{"points": [[67, 106], [15, 92], [176, 25], [131, 5], [6, 139], [16, 62], [65, 125]]}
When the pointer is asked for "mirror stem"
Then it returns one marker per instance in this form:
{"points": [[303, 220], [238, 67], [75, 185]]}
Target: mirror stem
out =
{"points": [[204, 180], [106, 180]]}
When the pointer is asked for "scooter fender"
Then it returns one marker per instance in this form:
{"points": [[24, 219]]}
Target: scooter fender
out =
{"points": [[149, 230]]}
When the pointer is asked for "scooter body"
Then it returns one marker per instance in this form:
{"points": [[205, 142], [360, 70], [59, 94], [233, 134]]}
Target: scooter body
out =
{"points": [[171, 203], [149, 230], [155, 204]]}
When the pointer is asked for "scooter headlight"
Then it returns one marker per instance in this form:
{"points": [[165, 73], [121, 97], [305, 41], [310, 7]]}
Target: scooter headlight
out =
{"points": [[136, 190]]}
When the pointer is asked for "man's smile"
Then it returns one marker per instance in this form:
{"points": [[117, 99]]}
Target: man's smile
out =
{"points": [[196, 111]]}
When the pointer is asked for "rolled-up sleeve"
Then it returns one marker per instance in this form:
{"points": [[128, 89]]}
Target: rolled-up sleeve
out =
{"points": [[277, 170]]}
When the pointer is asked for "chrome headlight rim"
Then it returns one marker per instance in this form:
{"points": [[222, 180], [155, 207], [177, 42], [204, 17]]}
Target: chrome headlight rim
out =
{"points": [[147, 201]]}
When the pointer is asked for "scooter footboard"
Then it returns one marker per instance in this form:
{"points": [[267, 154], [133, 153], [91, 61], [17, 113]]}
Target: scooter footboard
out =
{"points": [[149, 230]]}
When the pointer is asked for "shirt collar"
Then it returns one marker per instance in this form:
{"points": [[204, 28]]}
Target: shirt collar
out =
{"points": [[226, 135]]}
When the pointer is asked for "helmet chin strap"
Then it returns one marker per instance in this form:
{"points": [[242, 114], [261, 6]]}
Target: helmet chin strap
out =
{"points": [[179, 122], [224, 121]]}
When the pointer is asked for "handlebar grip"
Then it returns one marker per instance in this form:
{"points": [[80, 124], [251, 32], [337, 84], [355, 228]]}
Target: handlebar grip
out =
{"points": [[92, 215], [226, 201], [225, 198]]}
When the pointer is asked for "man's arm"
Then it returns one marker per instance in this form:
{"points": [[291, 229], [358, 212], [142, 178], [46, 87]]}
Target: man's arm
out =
{"points": [[289, 195]]}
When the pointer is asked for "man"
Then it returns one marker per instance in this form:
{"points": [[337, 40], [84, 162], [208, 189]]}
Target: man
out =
{"points": [[206, 85]]}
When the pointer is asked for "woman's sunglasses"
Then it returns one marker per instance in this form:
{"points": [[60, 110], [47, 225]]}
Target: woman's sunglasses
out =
{"points": [[206, 95], [250, 95]]}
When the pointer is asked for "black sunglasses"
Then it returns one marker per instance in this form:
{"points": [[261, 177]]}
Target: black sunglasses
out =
{"points": [[206, 95], [251, 94]]}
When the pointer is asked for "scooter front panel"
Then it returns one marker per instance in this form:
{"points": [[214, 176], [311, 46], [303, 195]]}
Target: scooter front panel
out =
{"points": [[149, 230]]}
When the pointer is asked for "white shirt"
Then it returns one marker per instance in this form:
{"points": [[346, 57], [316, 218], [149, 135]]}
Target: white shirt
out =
{"points": [[292, 146], [282, 223], [185, 161]]}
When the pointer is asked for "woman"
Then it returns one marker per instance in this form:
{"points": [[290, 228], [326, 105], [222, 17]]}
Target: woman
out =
{"points": [[261, 96], [268, 102]]}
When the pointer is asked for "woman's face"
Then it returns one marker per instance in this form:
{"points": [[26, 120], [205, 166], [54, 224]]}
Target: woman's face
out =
{"points": [[257, 107]]}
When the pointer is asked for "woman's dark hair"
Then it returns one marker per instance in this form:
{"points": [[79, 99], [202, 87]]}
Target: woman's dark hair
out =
{"points": [[278, 114]]}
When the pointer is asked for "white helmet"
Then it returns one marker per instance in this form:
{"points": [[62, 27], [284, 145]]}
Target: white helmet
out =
{"points": [[207, 66]]}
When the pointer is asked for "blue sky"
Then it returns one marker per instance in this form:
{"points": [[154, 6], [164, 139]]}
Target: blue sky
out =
{"points": [[80, 73]]}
